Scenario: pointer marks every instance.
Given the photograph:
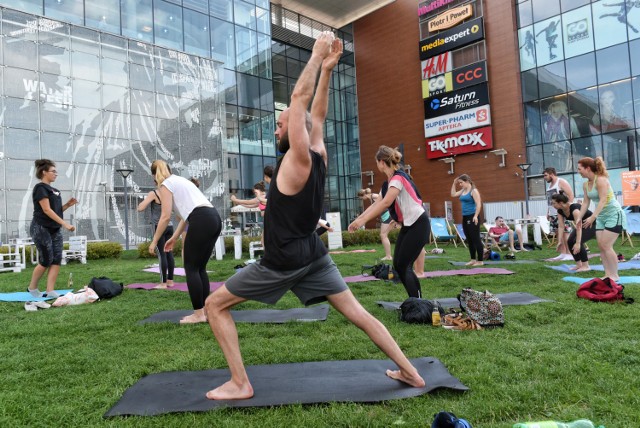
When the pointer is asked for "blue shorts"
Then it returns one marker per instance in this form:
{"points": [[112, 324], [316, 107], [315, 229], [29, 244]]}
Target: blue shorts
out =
{"points": [[505, 237]]}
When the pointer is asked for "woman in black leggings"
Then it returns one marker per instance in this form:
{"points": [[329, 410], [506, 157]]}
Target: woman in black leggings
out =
{"points": [[471, 206], [204, 228]]}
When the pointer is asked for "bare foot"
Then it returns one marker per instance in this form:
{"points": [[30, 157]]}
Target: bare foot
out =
{"points": [[575, 268], [583, 269], [386, 259], [170, 284], [415, 380], [478, 264], [419, 274], [471, 263], [231, 391], [161, 286], [193, 319]]}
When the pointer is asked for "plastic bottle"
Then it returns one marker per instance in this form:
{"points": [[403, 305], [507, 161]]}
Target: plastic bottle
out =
{"points": [[70, 284], [435, 317], [580, 423]]}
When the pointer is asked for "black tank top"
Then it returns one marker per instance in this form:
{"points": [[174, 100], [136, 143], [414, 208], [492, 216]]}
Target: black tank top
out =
{"points": [[290, 221]]}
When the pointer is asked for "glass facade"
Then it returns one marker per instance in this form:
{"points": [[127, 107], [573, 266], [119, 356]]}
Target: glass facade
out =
{"points": [[580, 69], [97, 84]]}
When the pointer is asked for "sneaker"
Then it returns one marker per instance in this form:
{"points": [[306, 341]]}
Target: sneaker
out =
{"points": [[34, 293], [41, 305], [50, 294], [30, 307]]}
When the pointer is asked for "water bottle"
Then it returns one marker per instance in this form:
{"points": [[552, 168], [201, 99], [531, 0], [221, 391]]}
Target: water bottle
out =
{"points": [[435, 317], [580, 423], [70, 284]]}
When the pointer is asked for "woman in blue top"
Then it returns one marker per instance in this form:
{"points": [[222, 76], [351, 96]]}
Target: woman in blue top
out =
{"points": [[471, 206], [608, 216]]}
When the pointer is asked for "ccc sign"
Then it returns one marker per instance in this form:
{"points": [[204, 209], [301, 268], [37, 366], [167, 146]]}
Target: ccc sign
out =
{"points": [[437, 85], [469, 75]]}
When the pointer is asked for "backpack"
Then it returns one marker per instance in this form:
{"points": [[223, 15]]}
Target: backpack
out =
{"points": [[382, 271], [449, 420], [419, 311], [482, 307], [602, 290], [105, 288]]}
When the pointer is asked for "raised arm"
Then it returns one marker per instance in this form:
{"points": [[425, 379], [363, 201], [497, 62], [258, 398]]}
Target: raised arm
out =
{"points": [[376, 209], [146, 201], [455, 193], [249, 203], [567, 190]]}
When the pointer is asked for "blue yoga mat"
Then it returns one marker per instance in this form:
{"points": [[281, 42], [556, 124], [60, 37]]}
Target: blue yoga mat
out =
{"points": [[623, 279], [634, 264], [24, 296]]}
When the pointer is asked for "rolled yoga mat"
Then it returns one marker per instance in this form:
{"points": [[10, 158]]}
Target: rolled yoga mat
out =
{"points": [[515, 298], [276, 316], [357, 381]]}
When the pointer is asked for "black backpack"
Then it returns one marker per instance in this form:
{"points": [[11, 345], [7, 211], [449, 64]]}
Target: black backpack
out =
{"points": [[105, 288], [419, 311]]}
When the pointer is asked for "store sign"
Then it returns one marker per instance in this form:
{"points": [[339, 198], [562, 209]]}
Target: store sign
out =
{"points": [[450, 18], [467, 119], [469, 75], [437, 85], [631, 188], [454, 38], [438, 64], [440, 105], [474, 140], [432, 5]]}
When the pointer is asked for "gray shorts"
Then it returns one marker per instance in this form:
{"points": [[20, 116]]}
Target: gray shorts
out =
{"points": [[311, 284]]}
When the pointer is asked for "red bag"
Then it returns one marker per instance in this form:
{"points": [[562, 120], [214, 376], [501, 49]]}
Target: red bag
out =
{"points": [[602, 290]]}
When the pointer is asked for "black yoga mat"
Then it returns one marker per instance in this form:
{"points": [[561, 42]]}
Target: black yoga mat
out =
{"points": [[515, 298], [361, 381], [316, 313]]}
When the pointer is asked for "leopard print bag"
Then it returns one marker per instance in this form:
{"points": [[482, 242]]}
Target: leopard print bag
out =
{"points": [[482, 307]]}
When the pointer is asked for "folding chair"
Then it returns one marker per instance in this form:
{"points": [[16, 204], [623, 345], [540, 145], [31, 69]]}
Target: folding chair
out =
{"points": [[545, 228], [490, 242], [77, 250], [460, 232], [633, 226], [440, 232]]}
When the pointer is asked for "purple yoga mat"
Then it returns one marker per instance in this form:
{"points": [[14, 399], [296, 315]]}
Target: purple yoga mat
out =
{"points": [[178, 286], [177, 271], [474, 271]]}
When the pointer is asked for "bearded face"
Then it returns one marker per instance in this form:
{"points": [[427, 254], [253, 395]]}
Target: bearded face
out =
{"points": [[283, 143]]}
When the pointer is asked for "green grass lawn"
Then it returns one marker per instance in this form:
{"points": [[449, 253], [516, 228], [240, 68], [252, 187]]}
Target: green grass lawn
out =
{"points": [[566, 360]]}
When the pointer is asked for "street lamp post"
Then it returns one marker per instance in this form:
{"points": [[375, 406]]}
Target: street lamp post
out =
{"points": [[524, 167], [125, 172]]}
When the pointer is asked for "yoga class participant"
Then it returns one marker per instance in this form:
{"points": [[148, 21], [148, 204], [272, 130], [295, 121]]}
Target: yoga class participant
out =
{"points": [[295, 258], [204, 228], [579, 235]]}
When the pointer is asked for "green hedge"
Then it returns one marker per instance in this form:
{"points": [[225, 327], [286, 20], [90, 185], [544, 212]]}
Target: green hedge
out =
{"points": [[95, 250], [143, 250]]}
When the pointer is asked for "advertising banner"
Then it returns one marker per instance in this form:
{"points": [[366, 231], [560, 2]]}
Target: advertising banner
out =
{"points": [[631, 188], [440, 105], [450, 18], [457, 37], [467, 119], [473, 140], [437, 85], [430, 6], [438, 64], [469, 75]]}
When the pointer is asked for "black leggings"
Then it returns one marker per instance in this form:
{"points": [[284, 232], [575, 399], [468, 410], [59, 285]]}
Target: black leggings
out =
{"points": [[411, 240], [586, 235], [472, 233], [167, 264], [204, 228]]}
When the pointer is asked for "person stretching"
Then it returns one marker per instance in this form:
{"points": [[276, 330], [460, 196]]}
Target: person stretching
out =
{"points": [[167, 263], [295, 258], [578, 236]]}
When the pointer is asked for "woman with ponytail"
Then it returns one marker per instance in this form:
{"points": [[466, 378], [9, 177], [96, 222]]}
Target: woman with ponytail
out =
{"points": [[471, 206], [204, 228], [609, 218]]}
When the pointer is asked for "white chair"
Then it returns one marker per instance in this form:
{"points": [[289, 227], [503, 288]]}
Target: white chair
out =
{"points": [[545, 227], [253, 247], [77, 250]]}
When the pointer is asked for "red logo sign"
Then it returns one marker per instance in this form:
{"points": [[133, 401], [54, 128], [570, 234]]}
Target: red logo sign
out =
{"points": [[438, 64], [470, 141], [470, 75]]}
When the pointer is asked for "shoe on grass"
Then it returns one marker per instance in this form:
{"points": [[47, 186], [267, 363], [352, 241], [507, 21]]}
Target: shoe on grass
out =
{"points": [[50, 294], [34, 293], [30, 307], [41, 305]]}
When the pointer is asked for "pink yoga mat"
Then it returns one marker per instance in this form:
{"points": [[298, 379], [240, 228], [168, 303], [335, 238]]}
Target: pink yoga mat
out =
{"points": [[352, 251], [178, 286], [474, 271]]}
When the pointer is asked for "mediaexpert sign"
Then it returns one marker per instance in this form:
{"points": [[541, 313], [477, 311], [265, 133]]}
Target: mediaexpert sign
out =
{"points": [[464, 99], [473, 140], [467, 119], [438, 64], [454, 38], [450, 18], [469, 75]]}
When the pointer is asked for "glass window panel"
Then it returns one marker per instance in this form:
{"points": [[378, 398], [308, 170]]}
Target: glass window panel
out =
{"points": [[116, 125], [245, 14], [634, 49], [196, 33], [115, 98], [167, 106], [280, 94], [263, 4], [552, 80], [84, 66], [583, 105], [103, 15], [609, 23], [251, 170], [578, 32], [143, 128], [22, 144], [633, 20], [115, 72], [572, 4], [279, 63], [57, 146], [223, 42], [248, 91], [586, 147], [87, 121], [19, 175], [294, 68], [141, 77], [31, 6], [557, 125], [199, 5], [543, 9], [114, 47], [229, 87], [613, 63], [232, 134], [53, 59], [247, 50], [20, 113], [549, 41], [558, 155], [268, 137], [21, 83], [222, 9], [525, 14], [20, 53], [527, 48], [264, 21], [54, 33], [69, 11], [616, 107], [264, 56], [85, 40], [250, 131], [616, 154], [266, 95], [635, 82], [55, 91], [143, 102], [168, 24], [581, 72], [165, 84], [137, 19], [534, 156]]}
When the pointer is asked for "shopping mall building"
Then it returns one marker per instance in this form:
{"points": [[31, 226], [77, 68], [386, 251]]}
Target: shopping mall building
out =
{"points": [[471, 87]]}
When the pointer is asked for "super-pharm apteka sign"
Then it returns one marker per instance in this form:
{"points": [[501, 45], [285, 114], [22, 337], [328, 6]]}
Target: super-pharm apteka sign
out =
{"points": [[454, 38], [459, 143]]}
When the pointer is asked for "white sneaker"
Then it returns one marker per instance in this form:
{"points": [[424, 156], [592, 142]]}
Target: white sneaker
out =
{"points": [[41, 305], [30, 307]]}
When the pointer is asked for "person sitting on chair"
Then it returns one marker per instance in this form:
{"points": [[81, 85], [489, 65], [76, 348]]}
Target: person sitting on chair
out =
{"points": [[502, 233]]}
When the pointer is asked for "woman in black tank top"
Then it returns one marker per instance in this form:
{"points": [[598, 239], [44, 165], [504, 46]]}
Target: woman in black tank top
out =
{"points": [[579, 235]]}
